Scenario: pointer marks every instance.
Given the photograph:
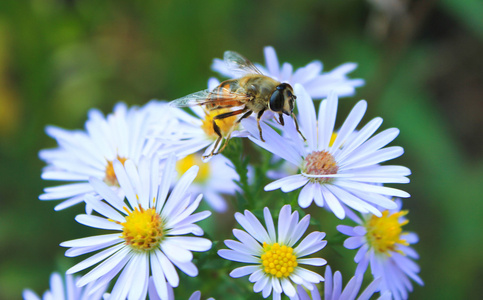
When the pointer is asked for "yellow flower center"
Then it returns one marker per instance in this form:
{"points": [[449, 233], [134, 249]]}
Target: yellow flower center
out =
{"points": [[143, 229], [224, 124], [184, 164], [320, 163], [278, 260], [384, 233], [110, 177]]}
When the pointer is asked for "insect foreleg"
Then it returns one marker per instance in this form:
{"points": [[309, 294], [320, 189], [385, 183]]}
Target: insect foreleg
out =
{"points": [[280, 117], [297, 126], [260, 113]]}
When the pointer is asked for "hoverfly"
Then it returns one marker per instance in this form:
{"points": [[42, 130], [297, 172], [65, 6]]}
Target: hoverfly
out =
{"points": [[252, 92]]}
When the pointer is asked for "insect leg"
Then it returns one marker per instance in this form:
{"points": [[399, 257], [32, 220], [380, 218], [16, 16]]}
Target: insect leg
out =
{"points": [[217, 130], [260, 113], [280, 117], [297, 126], [248, 113]]}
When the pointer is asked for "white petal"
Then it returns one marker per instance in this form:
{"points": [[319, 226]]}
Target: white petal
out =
{"points": [[237, 256], [168, 269], [287, 287], [65, 191], [119, 258], [295, 183], [326, 120], [373, 144], [350, 124], [191, 243], [306, 195], [271, 61], [165, 182], [187, 267], [347, 230], [98, 222], [140, 279], [308, 275], [260, 284], [106, 193], [239, 247], [158, 278], [371, 188], [104, 209], [360, 137], [252, 225], [175, 252], [353, 242], [333, 202], [315, 261], [293, 180], [248, 241], [373, 158], [270, 226], [299, 230], [306, 109], [310, 244], [92, 240], [284, 222], [125, 180], [179, 191], [243, 271]]}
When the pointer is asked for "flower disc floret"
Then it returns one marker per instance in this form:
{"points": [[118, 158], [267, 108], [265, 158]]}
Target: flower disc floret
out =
{"points": [[320, 163], [277, 260], [110, 178], [187, 162], [143, 229], [224, 124], [384, 233]]}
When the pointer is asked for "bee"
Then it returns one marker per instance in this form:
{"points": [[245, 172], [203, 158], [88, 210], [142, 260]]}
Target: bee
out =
{"points": [[251, 93]]}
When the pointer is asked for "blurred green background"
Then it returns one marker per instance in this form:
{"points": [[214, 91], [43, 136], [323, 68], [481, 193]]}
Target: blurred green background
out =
{"points": [[421, 61]]}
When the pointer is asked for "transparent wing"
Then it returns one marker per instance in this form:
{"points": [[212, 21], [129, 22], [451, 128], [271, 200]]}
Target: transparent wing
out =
{"points": [[198, 98], [239, 65], [220, 97]]}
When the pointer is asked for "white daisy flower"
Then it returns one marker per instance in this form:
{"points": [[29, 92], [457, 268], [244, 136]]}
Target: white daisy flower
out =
{"points": [[263, 247], [195, 132], [68, 290], [386, 247], [215, 177], [345, 172], [149, 230], [317, 83], [121, 135], [333, 289]]}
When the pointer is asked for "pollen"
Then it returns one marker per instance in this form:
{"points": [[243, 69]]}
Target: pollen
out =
{"points": [[320, 163], [278, 261], [110, 177], [384, 233], [184, 164], [225, 124], [143, 229]]}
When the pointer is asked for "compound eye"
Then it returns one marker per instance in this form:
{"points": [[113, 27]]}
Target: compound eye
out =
{"points": [[276, 101]]}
